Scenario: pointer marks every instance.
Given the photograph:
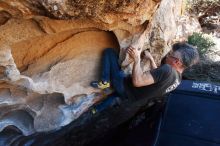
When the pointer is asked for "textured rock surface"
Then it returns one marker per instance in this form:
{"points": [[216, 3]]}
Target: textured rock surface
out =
{"points": [[116, 11], [51, 50]]}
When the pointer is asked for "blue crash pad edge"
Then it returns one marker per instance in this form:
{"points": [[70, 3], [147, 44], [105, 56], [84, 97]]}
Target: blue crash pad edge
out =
{"points": [[199, 87]]}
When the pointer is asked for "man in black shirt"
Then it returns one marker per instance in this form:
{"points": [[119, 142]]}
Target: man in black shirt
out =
{"points": [[146, 85]]}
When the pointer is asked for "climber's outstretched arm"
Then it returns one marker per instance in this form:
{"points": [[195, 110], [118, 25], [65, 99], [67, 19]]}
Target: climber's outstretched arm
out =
{"points": [[148, 56], [139, 78]]}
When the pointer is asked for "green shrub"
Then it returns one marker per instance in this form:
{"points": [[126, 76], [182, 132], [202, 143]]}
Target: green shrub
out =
{"points": [[201, 41]]}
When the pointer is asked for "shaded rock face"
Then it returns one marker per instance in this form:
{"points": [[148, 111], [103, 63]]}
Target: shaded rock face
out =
{"points": [[44, 64], [51, 50]]}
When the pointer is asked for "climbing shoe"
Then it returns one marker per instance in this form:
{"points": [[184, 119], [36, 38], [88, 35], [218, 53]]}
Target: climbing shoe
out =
{"points": [[100, 84]]}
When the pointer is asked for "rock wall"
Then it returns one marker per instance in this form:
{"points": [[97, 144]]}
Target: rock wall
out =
{"points": [[51, 50]]}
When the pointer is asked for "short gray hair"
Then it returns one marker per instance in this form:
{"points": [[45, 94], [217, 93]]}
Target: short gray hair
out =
{"points": [[189, 53]]}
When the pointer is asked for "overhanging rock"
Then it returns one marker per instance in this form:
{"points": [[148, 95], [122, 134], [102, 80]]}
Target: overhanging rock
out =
{"points": [[50, 51]]}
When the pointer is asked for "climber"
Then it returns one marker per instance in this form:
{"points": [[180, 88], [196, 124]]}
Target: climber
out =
{"points": [[146, 85]]}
